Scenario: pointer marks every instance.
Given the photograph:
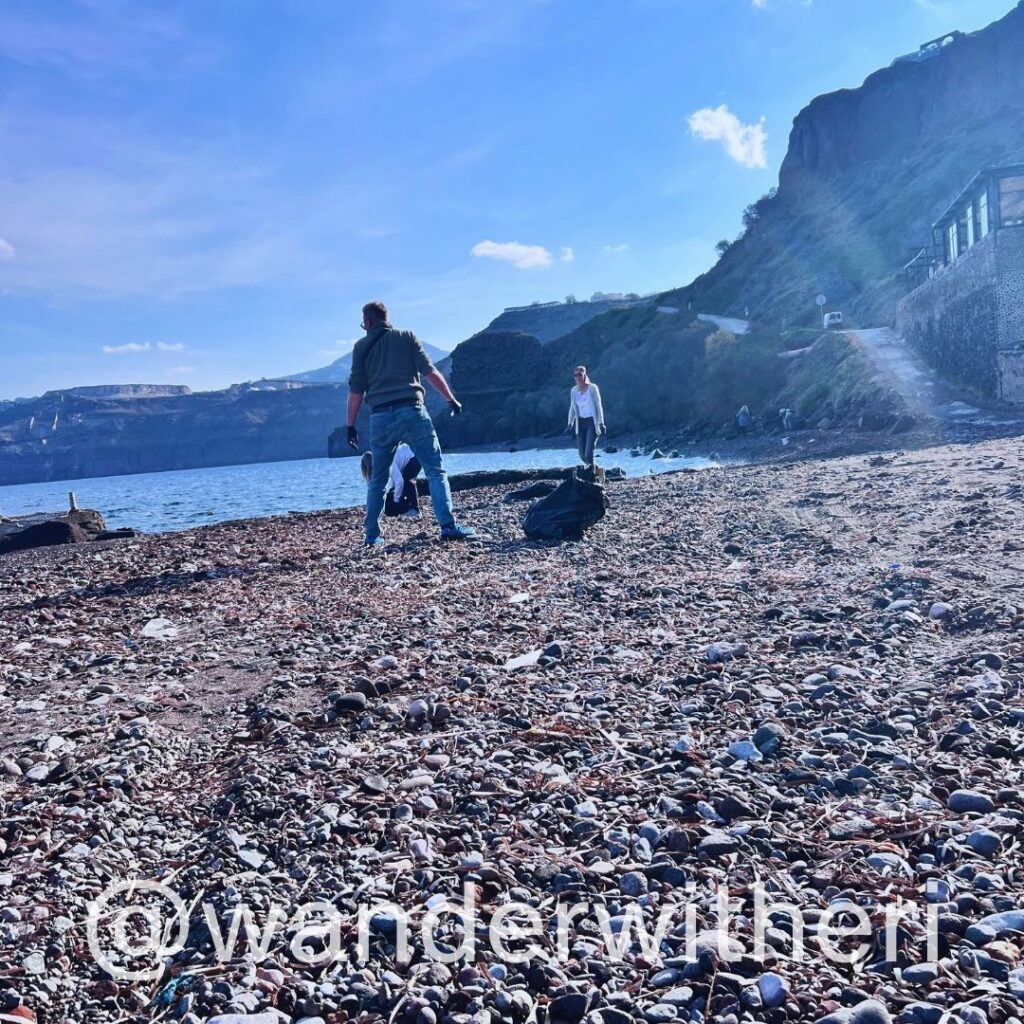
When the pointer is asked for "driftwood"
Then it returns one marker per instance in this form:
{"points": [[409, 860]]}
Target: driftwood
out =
{"points": [[46, 529]]}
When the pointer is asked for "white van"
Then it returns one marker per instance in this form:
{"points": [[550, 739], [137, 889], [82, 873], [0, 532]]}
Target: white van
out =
{"points": [[832, 321]]}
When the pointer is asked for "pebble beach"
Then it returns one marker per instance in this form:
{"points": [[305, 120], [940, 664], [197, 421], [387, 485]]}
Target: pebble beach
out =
{"points": [[803, 679]]}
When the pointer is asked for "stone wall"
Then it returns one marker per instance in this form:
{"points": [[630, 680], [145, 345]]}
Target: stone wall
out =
{"points": [[1010, 284], [1011, 376], [952, 320]]}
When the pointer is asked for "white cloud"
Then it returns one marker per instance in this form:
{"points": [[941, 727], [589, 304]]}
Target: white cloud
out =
{"points": [[341, 347], [181, 370], [165, 346], [743, 142], [621, 247], [760, 3], [131, 346], [525, 257], [6, 250], [567, 254]]}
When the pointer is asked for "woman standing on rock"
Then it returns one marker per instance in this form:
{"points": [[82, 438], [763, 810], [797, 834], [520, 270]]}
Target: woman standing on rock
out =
{"points": [[586, 414]]}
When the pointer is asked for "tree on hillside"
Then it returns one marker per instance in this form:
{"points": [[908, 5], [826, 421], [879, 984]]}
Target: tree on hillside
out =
{"points": [[723, 247]]}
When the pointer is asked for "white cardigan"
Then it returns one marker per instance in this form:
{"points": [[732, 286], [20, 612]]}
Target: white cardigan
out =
{"points": [[574, 411]]}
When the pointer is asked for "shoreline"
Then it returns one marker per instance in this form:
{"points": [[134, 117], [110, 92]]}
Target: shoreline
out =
{"points": [[756, 449]]}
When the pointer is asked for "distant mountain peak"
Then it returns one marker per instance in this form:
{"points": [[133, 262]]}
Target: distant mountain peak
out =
{"points": [[338, 371]]}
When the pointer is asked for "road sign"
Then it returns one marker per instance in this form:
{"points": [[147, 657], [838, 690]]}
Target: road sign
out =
{"points": [[821, 300]]}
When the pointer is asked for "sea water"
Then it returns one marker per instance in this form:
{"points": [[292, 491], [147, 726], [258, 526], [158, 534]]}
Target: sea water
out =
{"points": [[182, 498]]}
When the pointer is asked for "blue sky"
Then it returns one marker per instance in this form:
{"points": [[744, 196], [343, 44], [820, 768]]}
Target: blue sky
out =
{"points": [[206, 191]]}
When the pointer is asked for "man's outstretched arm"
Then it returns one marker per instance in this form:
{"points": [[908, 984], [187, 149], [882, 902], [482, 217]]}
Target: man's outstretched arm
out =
{"points": [[355, 400], [440, 385], [436, 380]]}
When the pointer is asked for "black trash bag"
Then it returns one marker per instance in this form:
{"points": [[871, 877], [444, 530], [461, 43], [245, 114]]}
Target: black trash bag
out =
{"points": [[574, 506]]}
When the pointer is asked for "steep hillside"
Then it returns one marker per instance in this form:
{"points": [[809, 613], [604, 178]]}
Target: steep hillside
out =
{"points": [[655, 370], [867, 172]]}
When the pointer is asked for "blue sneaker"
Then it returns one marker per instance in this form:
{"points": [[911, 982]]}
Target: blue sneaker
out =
{"points": [[377, 542], [457, 532]]}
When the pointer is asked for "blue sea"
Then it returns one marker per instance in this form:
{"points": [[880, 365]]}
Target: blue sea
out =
{"points": [[179, 499]]}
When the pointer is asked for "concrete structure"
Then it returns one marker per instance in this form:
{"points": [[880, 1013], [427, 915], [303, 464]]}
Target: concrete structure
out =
{"points": [[967, 318]]}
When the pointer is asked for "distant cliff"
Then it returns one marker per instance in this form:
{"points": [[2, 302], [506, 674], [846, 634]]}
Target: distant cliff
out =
{"points": [[549, 321], [64, 435], [867, 172]]}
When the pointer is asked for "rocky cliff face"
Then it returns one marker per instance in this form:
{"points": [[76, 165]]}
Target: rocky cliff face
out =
{"points": [[64, 436], [551, 321], [867, 172]]}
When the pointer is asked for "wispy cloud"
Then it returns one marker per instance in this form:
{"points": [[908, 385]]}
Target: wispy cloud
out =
{"points": [[525, 257], [341, 347], [181, 371], [129, 347], [93, 40], [567, 254], [621, 247], [743, 142], [6, 250], [168, 346]]}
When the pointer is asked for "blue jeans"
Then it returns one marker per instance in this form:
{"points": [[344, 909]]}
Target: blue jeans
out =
{"points": [[388, 430]]}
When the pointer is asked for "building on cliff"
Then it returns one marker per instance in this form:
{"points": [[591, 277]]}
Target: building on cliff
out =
{"points": [[965, 312]]}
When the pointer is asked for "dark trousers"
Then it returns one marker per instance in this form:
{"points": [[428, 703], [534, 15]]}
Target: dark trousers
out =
{"points": [[586, 438], [410, 499]]}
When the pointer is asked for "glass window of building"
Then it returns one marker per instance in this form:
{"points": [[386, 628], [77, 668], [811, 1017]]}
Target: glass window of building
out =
{"points": [[951, 246], [968, 221], [983, 227], [962, 244], [1011, 200]]}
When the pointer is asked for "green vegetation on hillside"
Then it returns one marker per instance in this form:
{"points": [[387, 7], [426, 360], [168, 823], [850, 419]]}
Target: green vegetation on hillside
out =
{"points": [[655, 371]]}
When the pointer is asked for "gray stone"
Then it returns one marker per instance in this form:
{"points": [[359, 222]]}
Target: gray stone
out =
{"points": [[921, 974], [773, 988], [967, 801], [678, 997], [984, 841], [351, 702], [744, 750], [268, 1017], [868, 1012], [718, 843], [922, 1013], [633, 883], [1007, 921]]}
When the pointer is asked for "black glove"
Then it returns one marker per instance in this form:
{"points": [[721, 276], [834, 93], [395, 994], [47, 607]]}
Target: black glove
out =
{"points": [[603, 430], [456, 406], [570, 430], [353, 438]]}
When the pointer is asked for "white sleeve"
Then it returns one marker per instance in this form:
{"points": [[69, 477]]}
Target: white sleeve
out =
{"points": [[598, 407], [397, 480]]}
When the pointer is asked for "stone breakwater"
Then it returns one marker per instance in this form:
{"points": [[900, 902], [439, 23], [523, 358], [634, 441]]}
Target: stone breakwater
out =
{"points": [[802, 679]]}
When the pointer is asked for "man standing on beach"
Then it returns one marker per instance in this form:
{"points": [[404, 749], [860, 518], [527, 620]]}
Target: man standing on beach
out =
{"points": [[386, 368]]}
